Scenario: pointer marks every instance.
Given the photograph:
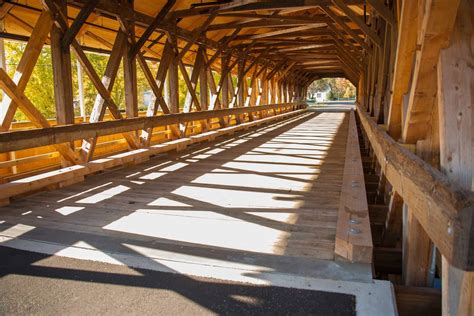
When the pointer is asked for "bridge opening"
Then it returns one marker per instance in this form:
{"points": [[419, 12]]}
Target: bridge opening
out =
{"points": [[331, 89]]}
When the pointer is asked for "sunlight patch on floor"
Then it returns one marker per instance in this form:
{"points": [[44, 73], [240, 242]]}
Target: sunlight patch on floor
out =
{"points": [[68, 210], [210, 229], [76, 250], [104, 195], [288, 218], [84, 192], [17, 230], [228, 198], [167, 202], [245, 180]]}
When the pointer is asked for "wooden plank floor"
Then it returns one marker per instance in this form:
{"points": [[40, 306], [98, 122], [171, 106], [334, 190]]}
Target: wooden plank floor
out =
{"points": [[269, 191]]}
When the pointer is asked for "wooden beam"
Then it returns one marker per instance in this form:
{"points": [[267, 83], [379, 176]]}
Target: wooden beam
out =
{"points": [[360, 23], [78, 23], [384, 54], [197, 32], [98, 111], [223, 84], [17, 95], [173, 80], [62, 72], [353, 235], [288, 30], [278, 17], [223, 47], [416, 251], [455, 99], [189, 100], [203, 84], [275, 70], [444, 210], [250, 6], [66, 176], [383, 10], [344, 26], [99, 107], [405, 50], [157, 85], [393, 225], [436, 27], [152, 27], [23, 139]]}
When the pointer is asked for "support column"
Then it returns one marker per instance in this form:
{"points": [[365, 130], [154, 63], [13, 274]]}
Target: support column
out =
{"points": [[264, 84], [80, 82], [203, 87], [225, 83], [241, 83], [416, 251], [3, 65], [130, 73], [456, 120], [173, 84], [62, 73]]}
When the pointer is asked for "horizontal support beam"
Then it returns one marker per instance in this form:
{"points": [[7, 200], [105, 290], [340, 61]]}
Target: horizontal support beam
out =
{"points": [[70, 175], [444, 209], [18, 140]]}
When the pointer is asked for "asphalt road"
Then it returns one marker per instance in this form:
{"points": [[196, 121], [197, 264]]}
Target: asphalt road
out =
{"points": [[33, 283]]}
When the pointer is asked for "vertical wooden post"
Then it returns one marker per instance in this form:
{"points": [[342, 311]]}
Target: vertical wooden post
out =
{"points": [[264, 85], [416, 251], [269, 90], [80, 82], [166, 89], [3, 65], [456, 120], [241, 88], [225, 83], [241, 83], [203, 87], [173, 84], [62, 74], [393, 223], [130, 71], [272, 94]]}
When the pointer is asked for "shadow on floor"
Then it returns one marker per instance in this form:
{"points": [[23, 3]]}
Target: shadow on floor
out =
{"points": [[269, 192], [66, 285]]}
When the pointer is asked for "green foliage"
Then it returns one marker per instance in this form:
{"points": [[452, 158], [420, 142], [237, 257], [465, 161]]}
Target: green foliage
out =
{"points": [[40, 88]]}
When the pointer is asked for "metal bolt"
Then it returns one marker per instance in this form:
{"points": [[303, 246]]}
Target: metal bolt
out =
{"points": [[450, 229], [354, 231]]}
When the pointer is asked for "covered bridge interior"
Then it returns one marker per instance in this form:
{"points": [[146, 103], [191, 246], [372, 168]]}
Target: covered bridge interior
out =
{"points": [[226, 172]]}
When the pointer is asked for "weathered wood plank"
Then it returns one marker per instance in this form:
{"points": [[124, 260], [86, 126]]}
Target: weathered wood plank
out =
{"points": [[353, 236], [449, 220]]}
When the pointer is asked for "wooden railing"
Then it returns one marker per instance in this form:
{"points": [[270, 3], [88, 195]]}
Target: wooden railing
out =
{"points": [[32, 148], [445, 210], [16, 140]]}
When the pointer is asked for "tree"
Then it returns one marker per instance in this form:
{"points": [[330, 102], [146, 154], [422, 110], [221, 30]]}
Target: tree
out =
{"points": [[319, 86], [338, 88], [40, 88]]}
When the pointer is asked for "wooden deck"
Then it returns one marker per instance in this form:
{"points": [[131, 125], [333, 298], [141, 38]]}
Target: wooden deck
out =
{"points": [[270, 191]]}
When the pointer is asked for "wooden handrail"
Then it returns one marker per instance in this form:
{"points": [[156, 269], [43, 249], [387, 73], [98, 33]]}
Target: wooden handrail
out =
{"points": [[70, 175], [442, 207], [23, 139]]}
